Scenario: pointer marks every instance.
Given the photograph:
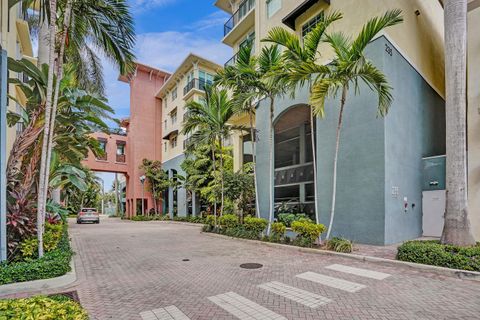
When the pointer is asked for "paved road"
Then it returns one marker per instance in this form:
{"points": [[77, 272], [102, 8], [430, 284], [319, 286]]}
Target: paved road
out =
{"points": [[135, 270]]}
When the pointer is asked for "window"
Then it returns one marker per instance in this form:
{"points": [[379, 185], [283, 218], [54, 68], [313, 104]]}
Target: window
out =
{"points": [[273, 6], [174, 93], [189, 77], [205, 78], [165, 146], [174, 142], [103, 144], [120, 149], [249, 40], [165, 102], [173, 116], [165, 124], [244, 8], [311, 24]]}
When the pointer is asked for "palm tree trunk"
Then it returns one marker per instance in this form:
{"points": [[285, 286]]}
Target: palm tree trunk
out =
{"points": [[271, 167], [215, 200], [457, 228], [43, 183], [335, 160], [66, 23], [254, 159], [312, 133], [221, 178]]}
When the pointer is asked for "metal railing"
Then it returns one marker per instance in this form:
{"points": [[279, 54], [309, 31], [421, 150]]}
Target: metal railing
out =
{"points": [[242, 11], [118, 131], [103, 157], [232, 61], [121, 158], [195, 84], [294, 174]]}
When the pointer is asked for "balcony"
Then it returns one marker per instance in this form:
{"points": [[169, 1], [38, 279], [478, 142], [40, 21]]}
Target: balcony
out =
{"points": [[118, 131], [239, 23], [232, 61], [194, 84]]}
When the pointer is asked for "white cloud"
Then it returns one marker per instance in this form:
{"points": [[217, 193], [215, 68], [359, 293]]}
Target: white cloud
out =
{"points": [[166, 50], [213, 20]]}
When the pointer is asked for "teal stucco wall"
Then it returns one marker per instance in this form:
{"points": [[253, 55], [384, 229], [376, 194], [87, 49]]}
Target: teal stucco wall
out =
{"points": [[375, 154], [174, 164]]}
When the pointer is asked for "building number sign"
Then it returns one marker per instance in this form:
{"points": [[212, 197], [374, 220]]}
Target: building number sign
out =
{"points": [[388, 50]]}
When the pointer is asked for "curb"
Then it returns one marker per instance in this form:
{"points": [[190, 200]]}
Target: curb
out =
{"points": [[454, 273], [40, 285]]}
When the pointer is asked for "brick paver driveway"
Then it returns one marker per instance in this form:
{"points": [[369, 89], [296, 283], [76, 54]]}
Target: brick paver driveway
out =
{"points": [[127, 268]]}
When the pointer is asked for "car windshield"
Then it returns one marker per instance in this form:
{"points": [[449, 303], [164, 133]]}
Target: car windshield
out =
{"points": [[88, 210]]}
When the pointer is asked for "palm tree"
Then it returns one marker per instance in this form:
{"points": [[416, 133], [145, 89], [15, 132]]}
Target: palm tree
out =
{"points": [[270, 85], [457, 228], [241, 79], [207, 123], [348, 68], [294, 55]]}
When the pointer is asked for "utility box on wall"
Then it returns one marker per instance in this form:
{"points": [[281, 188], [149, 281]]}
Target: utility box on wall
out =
{"points": [[433, 208]]}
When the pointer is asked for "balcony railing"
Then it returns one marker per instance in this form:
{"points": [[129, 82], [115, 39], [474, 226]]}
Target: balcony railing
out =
{"points": [[103, 157], [294, 174], [242, 11], [120, 158], [118, 131], [232, 61], [195, 84]]}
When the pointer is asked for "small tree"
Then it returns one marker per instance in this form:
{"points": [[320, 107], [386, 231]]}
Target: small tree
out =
{"points": [[157, 179]]}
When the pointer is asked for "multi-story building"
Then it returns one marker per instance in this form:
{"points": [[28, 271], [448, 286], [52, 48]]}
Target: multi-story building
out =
{"points": [[15, 42], [381, 160], [186, 84]]}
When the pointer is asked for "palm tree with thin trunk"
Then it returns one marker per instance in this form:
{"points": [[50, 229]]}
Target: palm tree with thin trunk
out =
{"points": [[348, 68], [457, 228], [240, 78], [294, 55], [207, 124]]}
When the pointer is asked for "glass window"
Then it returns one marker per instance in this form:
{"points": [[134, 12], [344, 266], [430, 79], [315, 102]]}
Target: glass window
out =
{"points": [[248, 41], [311, 24], [174, 142], [273, 6], [165, 102], [173, 115], [165, 146], [165, 124], [120, 149], [103, 145], [174, 93]]}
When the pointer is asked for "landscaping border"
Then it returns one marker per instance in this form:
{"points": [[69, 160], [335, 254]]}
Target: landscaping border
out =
{"points": [[455, 273]]}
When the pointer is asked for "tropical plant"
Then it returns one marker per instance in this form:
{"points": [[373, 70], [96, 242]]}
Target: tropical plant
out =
{"points": [[242, 79], [240, 188], [457, 229], [207, 123], [307, 232], [157, 179], [295, 56]]}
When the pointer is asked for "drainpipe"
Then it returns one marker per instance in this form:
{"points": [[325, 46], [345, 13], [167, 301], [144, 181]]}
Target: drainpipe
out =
{"points": [[3, 154]]}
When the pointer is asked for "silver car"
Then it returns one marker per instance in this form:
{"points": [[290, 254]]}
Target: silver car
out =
{"points": [[88, 215]]}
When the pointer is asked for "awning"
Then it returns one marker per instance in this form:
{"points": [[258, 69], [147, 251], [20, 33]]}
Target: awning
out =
{"points": [[290, 19], [170, 134]]}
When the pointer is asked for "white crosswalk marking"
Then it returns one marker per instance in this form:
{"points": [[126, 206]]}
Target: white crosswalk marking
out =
{"points": [[359, 272], [332, 282], [244, 309], [306, 298], [167, 313]]}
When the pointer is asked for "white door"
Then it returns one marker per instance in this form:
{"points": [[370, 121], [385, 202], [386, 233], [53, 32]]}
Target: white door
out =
{"points": [[433, 212]]}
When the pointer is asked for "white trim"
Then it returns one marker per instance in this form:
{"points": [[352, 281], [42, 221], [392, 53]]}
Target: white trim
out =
{"points": [[433, 157]]}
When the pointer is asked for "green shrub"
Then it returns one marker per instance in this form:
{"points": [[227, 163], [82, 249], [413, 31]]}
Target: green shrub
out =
{"points": [[289, 218], [53, 264], [51, 238], [256, 225], [210, 220], [241, 232], [228, 221], [278, 231], [307, 232], [340, 245], [41, 307], [434, 253]]}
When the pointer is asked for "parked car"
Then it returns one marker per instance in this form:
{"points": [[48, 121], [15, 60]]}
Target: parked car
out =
{"points": [[88, 215]]}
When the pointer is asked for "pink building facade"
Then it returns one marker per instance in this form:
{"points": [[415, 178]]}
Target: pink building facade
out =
{"points": [[143, 138]]}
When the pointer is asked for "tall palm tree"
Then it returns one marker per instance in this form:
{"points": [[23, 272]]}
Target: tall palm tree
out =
{"points": [[457, 228], [241, 79], [294, 55], [207, 123], [270, 85], [348, 68]]}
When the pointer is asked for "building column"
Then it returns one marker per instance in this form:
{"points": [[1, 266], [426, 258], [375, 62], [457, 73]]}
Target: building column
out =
{"points": [[3, 155], [194, 204], [303, 157]]}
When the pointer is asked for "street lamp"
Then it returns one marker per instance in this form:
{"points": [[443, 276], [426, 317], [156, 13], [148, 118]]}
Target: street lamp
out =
{"points": [[142, 181]]}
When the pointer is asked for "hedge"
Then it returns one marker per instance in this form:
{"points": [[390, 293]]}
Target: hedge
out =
{"points": [[53, 264], [436, 254], [40, 307]]}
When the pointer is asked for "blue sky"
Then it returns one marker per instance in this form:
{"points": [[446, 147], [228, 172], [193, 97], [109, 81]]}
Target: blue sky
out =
{"points": [[167, 31]]}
